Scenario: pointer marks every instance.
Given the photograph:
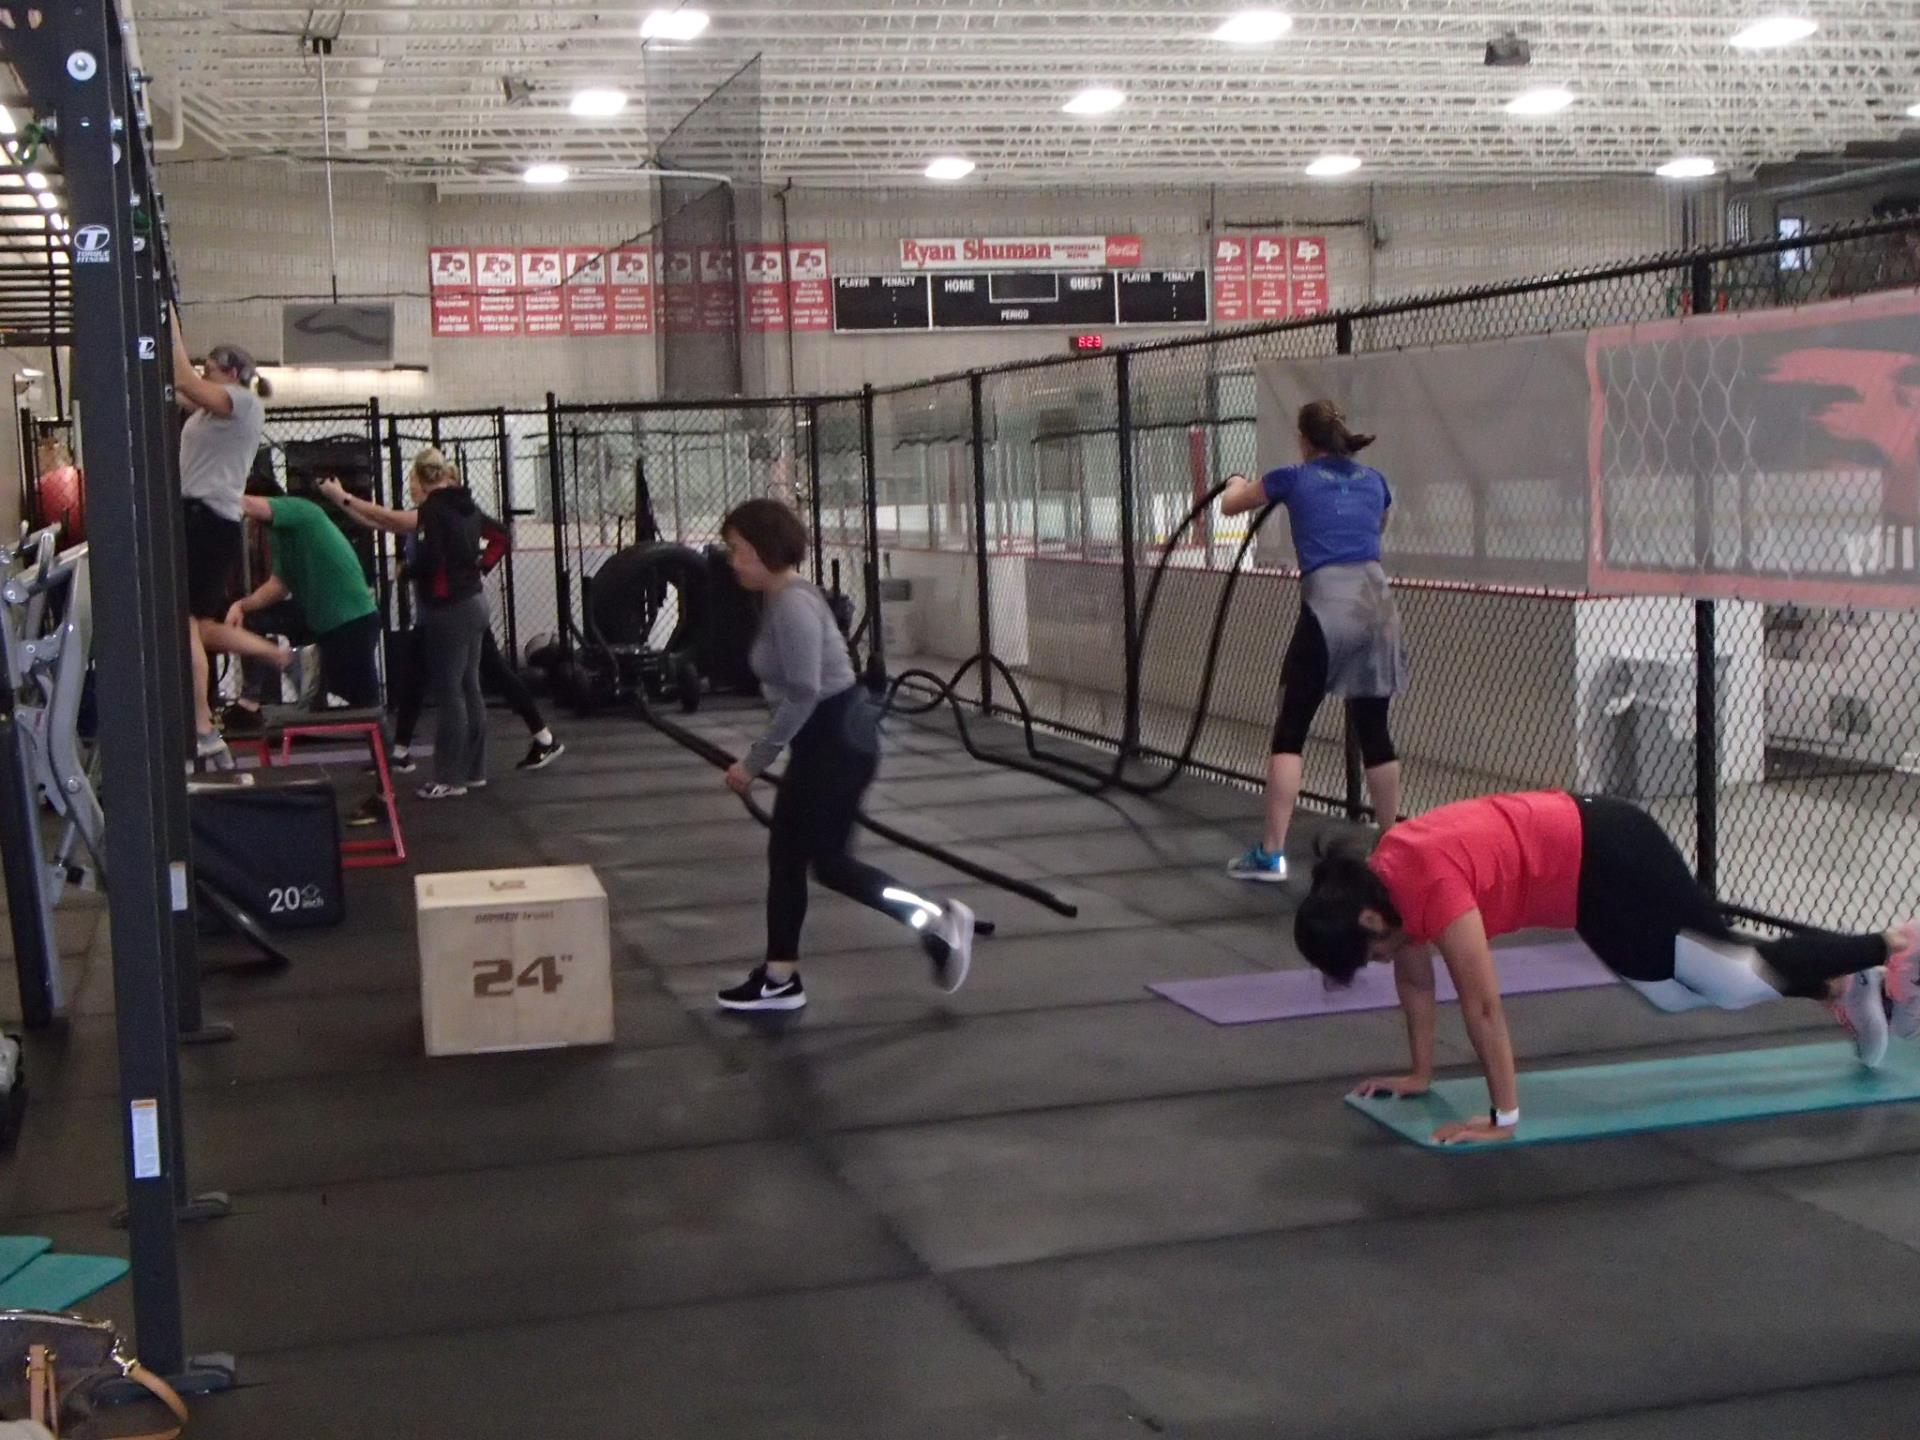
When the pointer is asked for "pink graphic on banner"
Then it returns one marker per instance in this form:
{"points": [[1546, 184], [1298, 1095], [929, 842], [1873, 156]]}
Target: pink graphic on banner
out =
{"points": [[719, 303], [809, 287], [589, 304], [1307, 262], [450, 281], [1267, 266], [632, 274], [497, 301], [766, 286], [679, 291], [1229, 279], [543, 308]]}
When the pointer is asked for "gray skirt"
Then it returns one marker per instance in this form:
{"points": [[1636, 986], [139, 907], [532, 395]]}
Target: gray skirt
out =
{"points": [[1366, 657]]}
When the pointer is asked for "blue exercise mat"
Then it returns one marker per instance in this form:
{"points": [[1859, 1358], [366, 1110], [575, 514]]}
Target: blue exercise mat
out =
{"points": [[17, 1250], [59, 1282], [1595, 1100]]}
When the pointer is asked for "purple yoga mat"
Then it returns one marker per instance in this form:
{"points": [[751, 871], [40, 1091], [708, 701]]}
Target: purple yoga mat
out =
{"points": [[1294, 994]]}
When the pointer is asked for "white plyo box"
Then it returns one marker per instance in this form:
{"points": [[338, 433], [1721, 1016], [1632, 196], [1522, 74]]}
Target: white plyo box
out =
{"points": [[514, 959]]}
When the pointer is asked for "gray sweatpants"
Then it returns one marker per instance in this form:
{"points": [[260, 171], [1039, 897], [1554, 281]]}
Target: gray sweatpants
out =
{"points": [[452, 636]]}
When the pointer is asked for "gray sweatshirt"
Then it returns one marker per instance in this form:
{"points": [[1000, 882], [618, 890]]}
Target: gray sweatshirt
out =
{"points": [[800, 659]]}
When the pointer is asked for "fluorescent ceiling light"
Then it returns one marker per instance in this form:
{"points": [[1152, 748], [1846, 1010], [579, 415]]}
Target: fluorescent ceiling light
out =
{"points": [[673, 24], [598, 104], [1328, 165], [1913, 111], [1687, 167], [1254, 27], [49, 200], [1773, 32], [545, 174], [950, 167], [7, 127], [36, 181], [1541, 100], [1095, 100]]}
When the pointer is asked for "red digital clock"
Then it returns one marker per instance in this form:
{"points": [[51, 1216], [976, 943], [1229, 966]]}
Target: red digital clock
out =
{"points": [[1083, 343]]}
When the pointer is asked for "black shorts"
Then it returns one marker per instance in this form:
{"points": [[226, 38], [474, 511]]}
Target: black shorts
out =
{"points": [[1637, 891], [215, 556], [349, 662]]}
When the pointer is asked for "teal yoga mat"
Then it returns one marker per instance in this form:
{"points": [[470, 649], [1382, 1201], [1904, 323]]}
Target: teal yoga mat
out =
{"points": [[59, 1282], [1596, 1100], [17, 1250]]}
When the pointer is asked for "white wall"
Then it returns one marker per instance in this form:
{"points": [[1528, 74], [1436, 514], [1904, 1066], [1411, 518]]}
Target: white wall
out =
{"points": [[258, 229]]}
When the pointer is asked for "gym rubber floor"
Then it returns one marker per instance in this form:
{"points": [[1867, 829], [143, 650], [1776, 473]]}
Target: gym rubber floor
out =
{"points": [[1049, 1206]]}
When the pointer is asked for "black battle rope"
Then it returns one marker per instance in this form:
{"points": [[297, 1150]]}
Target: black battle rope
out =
{"points": [[1080, 776], [715, 756]]}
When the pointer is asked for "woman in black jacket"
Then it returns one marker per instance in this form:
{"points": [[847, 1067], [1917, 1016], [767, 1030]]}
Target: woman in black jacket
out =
{"points": [[446, 575]]}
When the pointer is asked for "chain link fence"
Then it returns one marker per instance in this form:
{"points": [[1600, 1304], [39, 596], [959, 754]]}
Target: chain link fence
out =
{"points": [[1706, 622]]}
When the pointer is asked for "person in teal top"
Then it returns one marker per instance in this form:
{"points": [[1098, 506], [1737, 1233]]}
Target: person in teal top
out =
{"points": [[318, 593]]}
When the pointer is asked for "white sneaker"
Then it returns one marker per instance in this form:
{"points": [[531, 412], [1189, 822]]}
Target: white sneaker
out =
{"points": [[1903, 983], [1862, 1010], [211, 751], [955, 928]]}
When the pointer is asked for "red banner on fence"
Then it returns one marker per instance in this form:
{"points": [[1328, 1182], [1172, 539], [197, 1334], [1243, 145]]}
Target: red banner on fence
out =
{"points": [[497, 298], [1229, 279], [719, 299], [679, 291], [543, 308], [1267, 267], [766, 286], [589, 306], [632, 275], [809, 287], [1307, 267]]}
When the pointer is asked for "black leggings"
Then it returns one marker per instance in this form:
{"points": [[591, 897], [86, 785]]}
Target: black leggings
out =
{"points": [[495, 674], [1637, 895], [1303, 678], [832, 761]]}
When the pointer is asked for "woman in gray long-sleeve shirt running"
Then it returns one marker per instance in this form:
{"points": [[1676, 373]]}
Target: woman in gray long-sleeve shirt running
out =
{"points": [[831, 729]]}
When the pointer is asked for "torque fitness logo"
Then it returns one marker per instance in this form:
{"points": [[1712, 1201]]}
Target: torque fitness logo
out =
{"points": [[92, 245]]}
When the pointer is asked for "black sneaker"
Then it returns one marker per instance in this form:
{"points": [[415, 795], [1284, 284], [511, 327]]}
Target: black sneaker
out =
{"points": [[540, 756], [239, 721], [757, 992], [399, 762], [372, 811]]}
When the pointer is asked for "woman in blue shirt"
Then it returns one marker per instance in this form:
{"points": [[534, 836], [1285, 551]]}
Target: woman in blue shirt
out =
{"points": [[1347, 640]]}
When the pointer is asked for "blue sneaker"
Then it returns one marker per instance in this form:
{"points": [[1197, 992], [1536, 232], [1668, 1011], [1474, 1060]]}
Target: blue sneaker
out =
{"points": [[1259, 863]]}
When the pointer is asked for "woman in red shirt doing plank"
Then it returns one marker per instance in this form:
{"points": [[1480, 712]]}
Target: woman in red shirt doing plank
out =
{"points": [[1460, 875]]}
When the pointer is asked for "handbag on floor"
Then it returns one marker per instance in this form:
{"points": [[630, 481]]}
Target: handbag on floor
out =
{"points": [[52, 1365]]}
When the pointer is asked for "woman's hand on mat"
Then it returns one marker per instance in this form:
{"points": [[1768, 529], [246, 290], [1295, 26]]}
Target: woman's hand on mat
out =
{"points": [[738, 780], [1397, 1087], [1472, 1132]]}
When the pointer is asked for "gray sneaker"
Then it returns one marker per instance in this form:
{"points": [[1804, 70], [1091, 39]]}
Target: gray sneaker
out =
{"points": [[1862, 1010]]}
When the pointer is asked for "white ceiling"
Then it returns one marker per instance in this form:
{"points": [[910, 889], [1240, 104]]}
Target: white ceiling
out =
{"points": [[866, 91]]}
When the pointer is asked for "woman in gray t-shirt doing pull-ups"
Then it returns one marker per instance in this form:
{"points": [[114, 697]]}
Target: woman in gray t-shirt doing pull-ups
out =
{"points": [[830, 728]]}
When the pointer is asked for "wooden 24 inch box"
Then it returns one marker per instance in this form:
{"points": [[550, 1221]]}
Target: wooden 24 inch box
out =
{"points": [[514, 959]]}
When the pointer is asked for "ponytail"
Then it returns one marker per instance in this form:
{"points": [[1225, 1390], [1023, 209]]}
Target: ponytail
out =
{"points": [[434, 470], [1326, 430], [239, 363]]}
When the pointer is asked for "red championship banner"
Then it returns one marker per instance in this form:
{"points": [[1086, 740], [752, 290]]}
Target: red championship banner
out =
{"points": [[766, 285], [810, 287], [632, 290], [679, 291], [1307, 264], [450, 283], [1229, 279], [497, 301], [1267, 267], [719, 302], [588, 303], [543, 309]]}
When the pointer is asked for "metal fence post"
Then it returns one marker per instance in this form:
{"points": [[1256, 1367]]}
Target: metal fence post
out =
{"points": [[813, 488], [876, 675], [503, 468], [1129, 607], [557, 505], [976, 394], [1706, 692], [1350, 742]]}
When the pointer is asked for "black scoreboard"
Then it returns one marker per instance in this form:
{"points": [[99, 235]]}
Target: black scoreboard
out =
{"points": [[1016, 299]]}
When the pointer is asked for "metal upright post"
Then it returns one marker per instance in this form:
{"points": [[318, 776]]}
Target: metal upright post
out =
{"points": [[1129, 600], [813, 488], [1706, 692], [556, 498], [503, 453], [976, 395], [876, 676], [119, 380], [1350, 742]]}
